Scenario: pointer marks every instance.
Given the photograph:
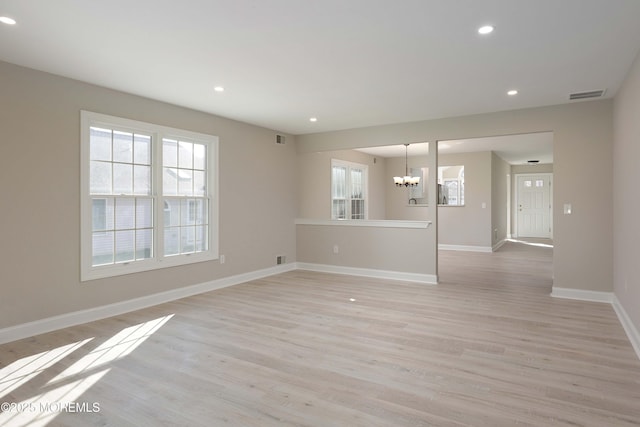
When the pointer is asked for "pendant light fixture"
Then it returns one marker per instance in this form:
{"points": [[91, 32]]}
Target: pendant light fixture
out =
{"points": [[406, 180]]}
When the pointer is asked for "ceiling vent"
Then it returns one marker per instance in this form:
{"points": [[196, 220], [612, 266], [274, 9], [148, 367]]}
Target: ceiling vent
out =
{"points": [[585, 95]]}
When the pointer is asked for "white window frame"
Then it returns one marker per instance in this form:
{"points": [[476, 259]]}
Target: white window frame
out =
{"points": [[158, 133], [350, 165]]}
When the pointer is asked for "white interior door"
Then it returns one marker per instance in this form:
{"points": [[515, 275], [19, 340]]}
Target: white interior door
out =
{"points": [[533, 210]]}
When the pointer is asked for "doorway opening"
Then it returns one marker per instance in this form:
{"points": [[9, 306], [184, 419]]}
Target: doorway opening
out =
{"points": [[507, 218]]}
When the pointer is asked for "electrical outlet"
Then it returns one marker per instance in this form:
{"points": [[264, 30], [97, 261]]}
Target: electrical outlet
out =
{"points": [[281, 259], [336, 249], [222, 259]]}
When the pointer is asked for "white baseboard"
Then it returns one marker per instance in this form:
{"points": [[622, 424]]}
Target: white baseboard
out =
{"points": [[498, 245], [49, 324], [429, 279], [627, 324], [582, 295], [443, 247], [606, 297]]}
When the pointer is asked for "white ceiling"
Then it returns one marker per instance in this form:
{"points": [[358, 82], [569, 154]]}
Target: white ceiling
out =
{"points": [[350, 63]]}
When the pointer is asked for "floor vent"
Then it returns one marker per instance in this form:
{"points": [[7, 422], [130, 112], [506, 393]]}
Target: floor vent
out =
{"points": [[585, 95]]}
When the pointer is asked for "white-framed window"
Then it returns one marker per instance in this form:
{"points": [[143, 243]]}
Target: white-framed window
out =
{"points": [[348, 190], [149, 196]]}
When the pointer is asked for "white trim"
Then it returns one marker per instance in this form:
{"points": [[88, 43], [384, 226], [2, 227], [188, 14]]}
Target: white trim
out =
{"points": [[582, 295], [428, 279], [443, 247], [498, 245], [42, 326], [607, 297], [364, 223], [157, 134], [632, 332]]}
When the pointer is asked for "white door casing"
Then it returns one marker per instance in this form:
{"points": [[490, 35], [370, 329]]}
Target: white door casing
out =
{"points": [[534, 205]]}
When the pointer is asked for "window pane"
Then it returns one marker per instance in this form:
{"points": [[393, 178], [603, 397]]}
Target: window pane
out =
{"points": [[172, 213], [357, 209], [188, 210], [188, 235], [539, 183], [125, 241], [199, 156], [200, 211], [199, 183], [452, 192], [171, 241], [111, 213], [142, 149], [122, 179], [339, 209], [102, 248], [144, 213], [100, 178], [144, 244], [125, 214], [142, 180], [527, 183], [356, 184], [185, 155], [99, 215], [100, 144], [185, 182], [169, 153], [201, 238], [122, 147], [170, 182], [339, 182]]}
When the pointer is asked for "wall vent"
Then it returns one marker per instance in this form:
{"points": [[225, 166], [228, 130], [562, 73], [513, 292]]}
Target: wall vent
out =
{"points": [[279, 139], [589, 94]]}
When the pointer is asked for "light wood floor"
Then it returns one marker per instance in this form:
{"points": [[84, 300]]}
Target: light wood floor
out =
{"points": [[487, 347]]}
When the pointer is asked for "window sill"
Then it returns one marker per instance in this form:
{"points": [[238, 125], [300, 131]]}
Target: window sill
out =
{"points": [[365, 223]]}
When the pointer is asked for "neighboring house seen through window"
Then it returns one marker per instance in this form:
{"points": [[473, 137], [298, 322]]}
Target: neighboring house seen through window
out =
{"points": [[148, 196]]}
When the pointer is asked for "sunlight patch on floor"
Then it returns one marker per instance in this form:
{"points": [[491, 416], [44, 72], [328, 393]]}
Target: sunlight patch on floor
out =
{"points": [[524, 242], [63, 392], [23, 370]]}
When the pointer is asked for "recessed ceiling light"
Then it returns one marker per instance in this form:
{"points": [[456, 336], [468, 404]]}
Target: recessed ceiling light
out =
{"points": [[486, 29], [313, 119], [218, 89], [7, 20], [512, 92]]}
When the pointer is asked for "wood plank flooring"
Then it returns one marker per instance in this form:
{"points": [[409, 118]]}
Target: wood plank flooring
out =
{"points": [[486, 347]]}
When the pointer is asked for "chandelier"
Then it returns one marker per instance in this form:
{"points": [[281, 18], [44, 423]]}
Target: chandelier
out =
{"points": [[406, 180]]}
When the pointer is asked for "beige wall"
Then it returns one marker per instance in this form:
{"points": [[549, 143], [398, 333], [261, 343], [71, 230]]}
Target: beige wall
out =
{"points": [[468, 225], [626, 196], [397, 206], [583, 166], [314, 183], [374, 248], [500, 174], [40, 214]]}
